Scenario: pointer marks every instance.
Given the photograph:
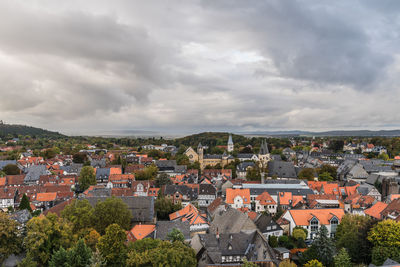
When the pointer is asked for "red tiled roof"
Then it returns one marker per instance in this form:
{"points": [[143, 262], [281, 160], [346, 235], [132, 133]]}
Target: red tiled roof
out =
{"points": [[43, 197], [376, 209], [303, 216], [232, 193], [140, 231], [265, 199]]}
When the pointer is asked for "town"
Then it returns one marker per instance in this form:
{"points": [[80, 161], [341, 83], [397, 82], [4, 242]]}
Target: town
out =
{"points": [[210, 199]]}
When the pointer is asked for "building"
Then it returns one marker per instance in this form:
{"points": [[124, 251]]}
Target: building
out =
{"points": [[238, 198], [230, 143]]}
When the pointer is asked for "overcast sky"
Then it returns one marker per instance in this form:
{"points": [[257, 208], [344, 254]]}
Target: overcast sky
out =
{"points": [[191, 66]]}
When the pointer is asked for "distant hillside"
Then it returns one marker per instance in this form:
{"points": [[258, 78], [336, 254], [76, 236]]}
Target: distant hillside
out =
{"points": [[365, 133], [210, 139], [15, 130]]}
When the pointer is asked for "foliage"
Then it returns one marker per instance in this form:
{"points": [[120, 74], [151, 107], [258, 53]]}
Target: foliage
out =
{"points": [[175, 235], [24, 204], [91, 238], [47, 234], [80, 255], [11, 169], [342, 259], [28, 261], [80, 214], [385, 237], [287, 263], [86, 178], [163, 179], [155, 252], [9, 239], [313, 263], [273, 241], [112, 245], [352, 234], [111, 211], [247, 263], [15, 130], [336, 145], [254, 173], [79, 157], [307, 173], [325, 176], [299, 234], [59, 258], [329, 169], [148, 173], [324, 245], [383, 156], [164, 207]]}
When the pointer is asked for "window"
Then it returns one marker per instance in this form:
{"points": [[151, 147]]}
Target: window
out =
{"points": [[334, 224], [314, 225]]}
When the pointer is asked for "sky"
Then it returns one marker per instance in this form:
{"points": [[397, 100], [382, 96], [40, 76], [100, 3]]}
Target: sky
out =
{"points": [[93, 66]]}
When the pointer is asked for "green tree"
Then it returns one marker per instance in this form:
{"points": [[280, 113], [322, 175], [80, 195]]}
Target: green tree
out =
{"points": [[86, 178], [80, 255], [47, 234], [9, 237], [247, 263], [79, 157], [299, 234], [385, 238], [164, 207], [163, 179], [273, 241], [329, 169], [380, 254], [307, 173], [287, 263], [111, 211], [80, 214], [155, 252], [383, 156], [325, 246], [11, 169], [325, 176], [175, 235], [112, 246], [28, 261], [313, 263], [342, 259], [351, 234], [148, 173], [60, 258], [24, 204]]}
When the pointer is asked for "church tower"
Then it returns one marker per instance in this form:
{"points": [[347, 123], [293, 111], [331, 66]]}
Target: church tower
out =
{"points": [[200, 152], [230, 143], [264, 155]]}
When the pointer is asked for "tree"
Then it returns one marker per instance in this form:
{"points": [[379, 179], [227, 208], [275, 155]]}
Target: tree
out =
{"points": [[148, 173], [9, 237], [342, 259], [79, 157], [80, 214], [383, 156], [78, 256], [247, 263], [385, 238], [155, 252], [28, 261], [287, 263], [164, 207], [47, 234], [351, 234], [307, 173], [325, 246], [175, 235], [91, 238], [325, 176], [163, 179], [59, 258], [313, 263], [273, 241], [336, 145], [111, 211], [86, 178], [299, 234], [329, 169], [112, 246], [24, 204], [11, 169]]}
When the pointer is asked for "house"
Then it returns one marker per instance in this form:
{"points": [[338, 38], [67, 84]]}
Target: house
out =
{"points": [[120, 180], [141, 188], [267, 226], [198, 223], [392, 211], [376, 210], [207, 194], [102, 175], [282, 253], [241, 169], [247, 157], [312, 219], [163, 228], [45, 200], [8, 197], [231, 248], [369, 190], [238, 198], [140, 231], [231, 221], [34, 172], [264, 202], [281, 169], [15, 180], [180, 193]]}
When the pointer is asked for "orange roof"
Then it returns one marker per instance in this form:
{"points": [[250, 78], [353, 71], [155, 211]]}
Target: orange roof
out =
{"points": [[115, 170], [303, 217], [153, 192], [316, 185], [46, 196], [69, 181], [2, 181], [376, 209], [140, 231], [285, 198], [296, 200], [252, 215], [121, 177], [189, 213], [394, 196], [231, 194], [265, 199], [332, 188]]}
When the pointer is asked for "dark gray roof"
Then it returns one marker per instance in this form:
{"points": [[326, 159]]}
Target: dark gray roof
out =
{"points": [[207, 189], [212, 156], [21, 216], [165, 163], [263, 221], [98, 163], [244, 156], [33, 173], [244, 165], [182, 189], [281, 169], [165, 227], [231, 221], [4, 163], [275, 191], [142, 208], [102, 173]]}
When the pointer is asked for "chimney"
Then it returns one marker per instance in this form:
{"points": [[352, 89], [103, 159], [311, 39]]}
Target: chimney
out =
{"points": [[217, 235]]}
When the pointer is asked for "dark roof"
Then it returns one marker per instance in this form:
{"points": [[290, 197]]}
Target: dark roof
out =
{"points": [[207, 189], [182, 189], [33, 173], [281, 169], [263, 221], [165, 163], [102, 173], [142, 208], [165, 227], [275, 191], [244, 165], [21, 216], [244, 155], [212, 156]]}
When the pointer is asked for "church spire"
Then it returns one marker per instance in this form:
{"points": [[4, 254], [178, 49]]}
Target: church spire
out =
{"points": [[230, 143]]}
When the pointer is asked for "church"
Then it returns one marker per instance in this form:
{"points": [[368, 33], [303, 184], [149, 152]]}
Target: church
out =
{"points": [[224, 159]]}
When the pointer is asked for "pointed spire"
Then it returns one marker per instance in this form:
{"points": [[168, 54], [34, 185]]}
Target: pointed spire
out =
{"points": [[264, 147]]}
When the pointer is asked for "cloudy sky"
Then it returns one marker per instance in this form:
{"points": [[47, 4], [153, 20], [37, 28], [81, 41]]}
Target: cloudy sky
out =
{"points": [[191, 66]]}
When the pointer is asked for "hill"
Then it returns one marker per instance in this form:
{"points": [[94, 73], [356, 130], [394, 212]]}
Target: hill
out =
{"points": [[15, 130]]}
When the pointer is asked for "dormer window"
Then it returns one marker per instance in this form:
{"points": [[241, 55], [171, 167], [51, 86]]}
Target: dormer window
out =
{"points": [[314, 225]]}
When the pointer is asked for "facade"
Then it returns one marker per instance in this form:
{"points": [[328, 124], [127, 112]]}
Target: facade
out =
{"points": [[238, 198]]}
